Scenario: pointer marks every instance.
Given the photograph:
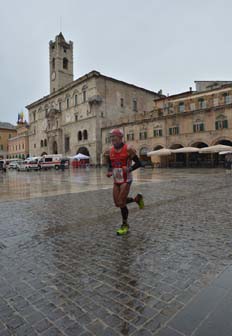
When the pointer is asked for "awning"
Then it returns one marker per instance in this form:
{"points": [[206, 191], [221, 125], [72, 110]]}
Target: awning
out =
{"points": [[160, 152], [215, 149], [186, 150]]}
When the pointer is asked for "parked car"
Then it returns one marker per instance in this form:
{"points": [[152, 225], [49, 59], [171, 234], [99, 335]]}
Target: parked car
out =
{"points": [[21, 166], [13, 165], [3, 165]]}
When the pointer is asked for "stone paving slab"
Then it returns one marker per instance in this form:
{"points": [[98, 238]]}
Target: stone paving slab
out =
{"points": [[63, 271]]}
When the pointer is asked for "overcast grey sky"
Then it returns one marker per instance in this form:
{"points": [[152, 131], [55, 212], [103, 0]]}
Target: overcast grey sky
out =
{"points": [[156, 44]]}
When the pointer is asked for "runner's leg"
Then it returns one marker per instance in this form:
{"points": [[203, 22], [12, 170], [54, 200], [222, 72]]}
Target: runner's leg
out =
{"points": [[122, 201]]}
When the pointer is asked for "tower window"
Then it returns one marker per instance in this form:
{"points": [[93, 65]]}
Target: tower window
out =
{"points": [[135, 105], [84, 96], [67, 101], [79, 136], [85, 135], [76, 101], [65, 63], [53, 63]]}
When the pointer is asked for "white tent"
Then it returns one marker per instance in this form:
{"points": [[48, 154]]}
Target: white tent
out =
{"points": [[161, 152], [186, 150], [215, 149], [80, 157], [225, 152]]}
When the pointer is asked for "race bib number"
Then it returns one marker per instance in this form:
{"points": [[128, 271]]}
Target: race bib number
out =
{"points": [[118, 175]]}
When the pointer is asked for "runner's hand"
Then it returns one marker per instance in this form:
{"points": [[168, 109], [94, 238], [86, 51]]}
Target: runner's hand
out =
{"points": [[109, 174]]}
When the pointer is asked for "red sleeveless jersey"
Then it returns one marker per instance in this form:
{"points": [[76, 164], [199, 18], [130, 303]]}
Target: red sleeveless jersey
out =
{"points": [[120, 162]]}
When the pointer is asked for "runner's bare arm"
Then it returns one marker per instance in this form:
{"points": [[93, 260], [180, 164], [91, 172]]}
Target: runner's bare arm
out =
{"points": [[109, 164], [133, 156]]}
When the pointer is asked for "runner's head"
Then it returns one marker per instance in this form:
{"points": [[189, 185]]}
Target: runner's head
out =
{"points": [[116, 136]]}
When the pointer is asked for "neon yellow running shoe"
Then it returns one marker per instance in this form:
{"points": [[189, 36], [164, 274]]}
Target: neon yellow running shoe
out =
{"points": [[139, 200], [124, 229]]}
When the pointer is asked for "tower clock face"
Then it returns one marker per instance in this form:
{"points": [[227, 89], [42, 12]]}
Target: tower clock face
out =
{"points": [[53, 75]]}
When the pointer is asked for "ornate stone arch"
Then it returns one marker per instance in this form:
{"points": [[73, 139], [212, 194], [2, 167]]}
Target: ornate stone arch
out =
{"points": [[199, 143], [223, 140], [175, 146]]}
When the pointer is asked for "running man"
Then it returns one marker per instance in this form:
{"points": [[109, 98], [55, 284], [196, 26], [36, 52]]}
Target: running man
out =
{"points": [[120, 167]]}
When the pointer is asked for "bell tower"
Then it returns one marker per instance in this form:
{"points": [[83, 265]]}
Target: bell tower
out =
{"points": [[60, 62]]}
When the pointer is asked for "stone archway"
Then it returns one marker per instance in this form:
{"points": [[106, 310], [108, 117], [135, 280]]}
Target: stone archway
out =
{"points": [[199, 144], [176, 146], [224, 142], [143, 156], [180, 158], [83, 150], [158, 147]]}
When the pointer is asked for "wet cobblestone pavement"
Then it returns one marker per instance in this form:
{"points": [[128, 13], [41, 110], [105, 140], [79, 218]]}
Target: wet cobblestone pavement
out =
{"points": [[63, 271]]}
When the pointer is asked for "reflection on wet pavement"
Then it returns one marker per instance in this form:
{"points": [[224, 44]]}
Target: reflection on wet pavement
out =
{"points": [[23, 185], [63, 270]]}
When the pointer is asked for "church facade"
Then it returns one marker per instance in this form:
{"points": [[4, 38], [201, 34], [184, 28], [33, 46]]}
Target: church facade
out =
{"points": [[70, 119]]}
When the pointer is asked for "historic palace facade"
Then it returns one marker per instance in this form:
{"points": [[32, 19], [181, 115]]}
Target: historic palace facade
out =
{"points": [[194, 118], [18, 146], [7, 131], [69, 120]]}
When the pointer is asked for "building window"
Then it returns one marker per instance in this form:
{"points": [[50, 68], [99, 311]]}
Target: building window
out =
{"points": [[192, 106], [143, 135], [34, 145], [1, 147], [75, 100], [34, 115], [174, 130], [76, 117], [181, 107], [215, 102], [60, 106], [227, 99], [85, 135], [53, 64], [67, 102], [65, 63], [220, 124], [66, 144], [45, 142], [122, 102], [41, 143], [79, 136], [158, 132], [130, 136], [84, 96], [9, 136], [23, 146], [198, 127], [135, 105], [202, 103]]}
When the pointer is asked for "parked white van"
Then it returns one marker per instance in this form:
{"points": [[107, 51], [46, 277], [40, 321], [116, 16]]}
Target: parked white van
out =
{"points": [[50, 161]]}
